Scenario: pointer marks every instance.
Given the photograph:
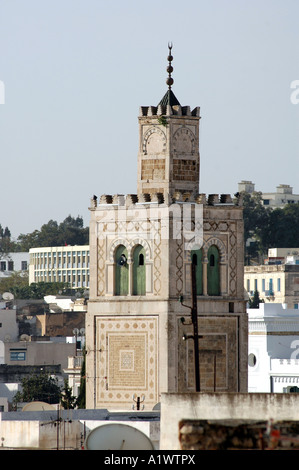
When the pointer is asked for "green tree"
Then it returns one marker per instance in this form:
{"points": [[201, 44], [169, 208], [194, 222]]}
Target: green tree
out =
{"points": [[16, 281], [69, 232], [6, 244], [283, 227], [41, 387], [68, 401], [81, 400], [255, 301], [18, 285], [256, 222]]}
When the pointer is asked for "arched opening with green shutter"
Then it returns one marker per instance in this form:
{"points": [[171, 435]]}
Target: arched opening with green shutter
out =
{"points": [[213, 271], [196, 259], [139, 274], [121, 271]]}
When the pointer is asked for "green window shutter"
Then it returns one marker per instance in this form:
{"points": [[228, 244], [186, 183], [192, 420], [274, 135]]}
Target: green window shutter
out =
{"points": [[121, 272], [213, 272], [139, 270], [196, 258]]}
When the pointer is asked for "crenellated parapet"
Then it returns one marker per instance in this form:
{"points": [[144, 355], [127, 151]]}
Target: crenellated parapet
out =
{"points": [[158, 198], [168, 110]]}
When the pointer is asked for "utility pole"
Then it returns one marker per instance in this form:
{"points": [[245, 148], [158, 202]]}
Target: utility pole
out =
{"points": [[195, 329], [195, 335]]}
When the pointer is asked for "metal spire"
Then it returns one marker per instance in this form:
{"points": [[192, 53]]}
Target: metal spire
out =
{"points": [[169, 69]]}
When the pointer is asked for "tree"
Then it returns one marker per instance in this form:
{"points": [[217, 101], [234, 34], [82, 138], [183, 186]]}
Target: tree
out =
{"points": [[256, 222], [18, 285], [6, 245], [69, 232], [41, 387], [255, 301], [81, 400], [68, 401], [15, 282]]}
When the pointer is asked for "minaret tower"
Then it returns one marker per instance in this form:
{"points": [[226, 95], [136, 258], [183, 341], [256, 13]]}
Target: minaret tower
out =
{"points": [[168, 157], [144, 248]]}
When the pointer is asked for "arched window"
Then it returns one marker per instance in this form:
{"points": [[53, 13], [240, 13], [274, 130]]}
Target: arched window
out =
{"points": [[196, 259], [139, 270], [213, 272], [121, 271]]}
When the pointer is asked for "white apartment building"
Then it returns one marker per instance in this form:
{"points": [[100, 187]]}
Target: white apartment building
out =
{"points": [[13, 262], [60, 264], [283, 195], [273, 347], [277, 281]]}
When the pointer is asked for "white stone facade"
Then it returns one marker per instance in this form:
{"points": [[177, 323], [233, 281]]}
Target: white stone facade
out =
{"points": [[273, 348], [13, 262]]}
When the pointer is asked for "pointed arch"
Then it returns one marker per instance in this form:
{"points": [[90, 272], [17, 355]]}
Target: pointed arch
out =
{"points": [[213, 271], [139, 270], [196, 259], [121, 277]]}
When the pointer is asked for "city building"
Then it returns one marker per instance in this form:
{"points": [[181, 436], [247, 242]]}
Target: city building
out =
{"points": [[273, 348], [140, 336], [277, 281], [68, 264], [283, 195], [13, 262]]}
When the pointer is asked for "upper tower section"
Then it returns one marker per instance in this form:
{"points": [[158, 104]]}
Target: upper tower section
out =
{"points": [[168, 156]]}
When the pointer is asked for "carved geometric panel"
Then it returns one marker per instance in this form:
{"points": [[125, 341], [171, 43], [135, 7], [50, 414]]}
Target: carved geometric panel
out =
{"points": [[126, 360], [218, 355]]}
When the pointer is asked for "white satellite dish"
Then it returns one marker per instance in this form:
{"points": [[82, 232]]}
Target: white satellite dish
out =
{"points": [[8, 296], [38, 406], [116, 436], [24, 337]]}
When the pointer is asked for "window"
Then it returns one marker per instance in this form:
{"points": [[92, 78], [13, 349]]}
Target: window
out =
{"points": [[196, 259], [3, 266], [251, 360], [17, 354], [10, 266], [213, 271], [278, 285], [263, 285], [139, 271], [248, 285], [121, 271], [24, 266]]}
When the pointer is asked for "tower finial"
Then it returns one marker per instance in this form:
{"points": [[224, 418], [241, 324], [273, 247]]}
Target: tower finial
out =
{"points": [[169, 80]]}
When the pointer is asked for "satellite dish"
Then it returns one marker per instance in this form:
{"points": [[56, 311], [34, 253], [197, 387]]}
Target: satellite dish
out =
{"points": [[122, 260], [117, 436], [24, 337], [38, 406], [8, 296], [157, 407]]}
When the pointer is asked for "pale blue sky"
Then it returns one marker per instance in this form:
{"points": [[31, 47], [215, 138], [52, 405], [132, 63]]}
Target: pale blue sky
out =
{"points": [[76, 72]]}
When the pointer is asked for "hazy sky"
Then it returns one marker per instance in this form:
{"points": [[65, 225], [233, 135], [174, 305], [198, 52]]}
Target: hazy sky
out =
{"points": [[76, 72]]}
